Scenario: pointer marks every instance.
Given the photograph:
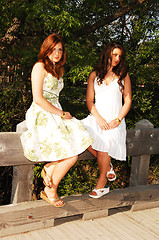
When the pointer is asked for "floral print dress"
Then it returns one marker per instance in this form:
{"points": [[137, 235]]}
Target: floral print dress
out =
{"points": [[49, 137]]}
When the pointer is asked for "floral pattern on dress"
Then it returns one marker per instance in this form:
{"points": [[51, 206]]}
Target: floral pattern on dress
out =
{"points": [[49, 137], [41, 119]]}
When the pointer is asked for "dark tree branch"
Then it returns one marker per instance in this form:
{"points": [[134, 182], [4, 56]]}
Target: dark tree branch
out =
{"points": [[122, 11]]}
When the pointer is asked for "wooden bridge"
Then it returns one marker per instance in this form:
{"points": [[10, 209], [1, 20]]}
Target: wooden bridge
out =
{"points": [[24, 215]]}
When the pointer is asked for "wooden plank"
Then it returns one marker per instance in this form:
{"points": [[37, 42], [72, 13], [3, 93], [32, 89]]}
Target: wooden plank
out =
{"points": [[25, 227], [95, 214], [37, 214], [105, 231], [139, 205], [94, 232], [129, 227], [140, 164], [22, 183], [148, 219], [133, 228], [142, 141], [11, 151], [139, 170], [73, 229], [126, 232]]}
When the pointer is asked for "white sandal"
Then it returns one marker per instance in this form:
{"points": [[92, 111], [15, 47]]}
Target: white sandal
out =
{"points": [[100, 192], [111, 171]]}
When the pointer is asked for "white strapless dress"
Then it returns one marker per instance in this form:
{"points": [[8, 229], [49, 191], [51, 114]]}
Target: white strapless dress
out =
{"points": [[108, 101]]}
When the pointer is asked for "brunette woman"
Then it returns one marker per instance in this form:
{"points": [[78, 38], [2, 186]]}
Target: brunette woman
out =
{"points": [[107, 85]]}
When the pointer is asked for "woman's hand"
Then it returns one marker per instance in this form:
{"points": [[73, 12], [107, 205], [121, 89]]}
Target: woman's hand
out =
{"points": [[102, 123], [67, 115], [113, 124]]}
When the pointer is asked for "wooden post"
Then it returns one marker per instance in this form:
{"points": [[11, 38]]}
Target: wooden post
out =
{"points": [[140, 164], [22, 177]]}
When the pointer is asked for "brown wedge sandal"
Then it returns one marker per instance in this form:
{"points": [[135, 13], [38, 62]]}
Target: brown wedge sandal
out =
{"points": [[52, 201]]}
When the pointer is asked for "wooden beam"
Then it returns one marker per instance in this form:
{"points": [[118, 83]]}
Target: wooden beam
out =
{"points": [[11, 151], [33, 215], [22, 182], [139, 142], [140, 164]]}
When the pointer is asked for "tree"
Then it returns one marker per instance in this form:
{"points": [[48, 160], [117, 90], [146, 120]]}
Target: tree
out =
{"points": [[86, 26]]}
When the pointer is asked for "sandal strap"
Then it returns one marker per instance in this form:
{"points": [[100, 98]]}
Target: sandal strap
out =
{"points": [[44, 175], [53, 200]]}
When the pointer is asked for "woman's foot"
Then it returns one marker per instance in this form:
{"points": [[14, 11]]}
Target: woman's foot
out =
{"points": [[100, 185], [98, 193], [50, 196]]}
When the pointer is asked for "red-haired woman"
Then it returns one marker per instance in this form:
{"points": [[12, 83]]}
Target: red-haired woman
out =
{"points": [[107, 85], [53, 135]]}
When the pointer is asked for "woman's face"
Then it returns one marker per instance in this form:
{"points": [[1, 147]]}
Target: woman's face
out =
{"points": [[116, 55], [56, 54]]}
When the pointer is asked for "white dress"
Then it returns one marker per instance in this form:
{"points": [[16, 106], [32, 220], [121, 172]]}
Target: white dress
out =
{"points": [[49, 137], [108, 102]]}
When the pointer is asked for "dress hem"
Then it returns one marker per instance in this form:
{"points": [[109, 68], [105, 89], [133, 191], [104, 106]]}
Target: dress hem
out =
{"points": [[57, 159], [111, 155]]}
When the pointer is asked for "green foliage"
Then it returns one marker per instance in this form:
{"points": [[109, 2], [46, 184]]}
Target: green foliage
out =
{"points": [[144, 73], [79, 74], [80, 179], [12, 105], [153, 176]]}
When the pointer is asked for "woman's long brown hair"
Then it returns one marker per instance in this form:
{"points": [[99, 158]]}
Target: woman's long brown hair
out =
{"points": [[105, 62], [46, 49]]}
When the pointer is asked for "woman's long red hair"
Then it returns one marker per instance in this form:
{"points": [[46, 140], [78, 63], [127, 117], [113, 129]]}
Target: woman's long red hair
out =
{"points": [[46, 49]]}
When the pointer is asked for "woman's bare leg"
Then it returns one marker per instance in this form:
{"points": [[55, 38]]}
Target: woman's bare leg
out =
{"points": [[60, 170], [92, 151], [49, 170], [103, 160], [95, 153]]}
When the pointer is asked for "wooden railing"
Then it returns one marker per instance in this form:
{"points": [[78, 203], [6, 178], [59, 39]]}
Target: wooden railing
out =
{"points": [[142, 142], [26, 215]]}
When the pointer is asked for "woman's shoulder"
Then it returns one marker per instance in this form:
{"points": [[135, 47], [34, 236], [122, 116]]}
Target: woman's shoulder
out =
{"points": [[127, 78], [92, 76], [39, 68]]}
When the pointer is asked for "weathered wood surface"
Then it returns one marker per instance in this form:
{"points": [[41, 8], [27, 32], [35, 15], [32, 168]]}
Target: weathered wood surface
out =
{"points": [[121, 224], [139, 142], [140, 164], [27, 216], [22, 181]]}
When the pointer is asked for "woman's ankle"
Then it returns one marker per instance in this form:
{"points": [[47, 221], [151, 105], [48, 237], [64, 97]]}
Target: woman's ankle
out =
{"points": [[51, 192], [101, 182]]}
